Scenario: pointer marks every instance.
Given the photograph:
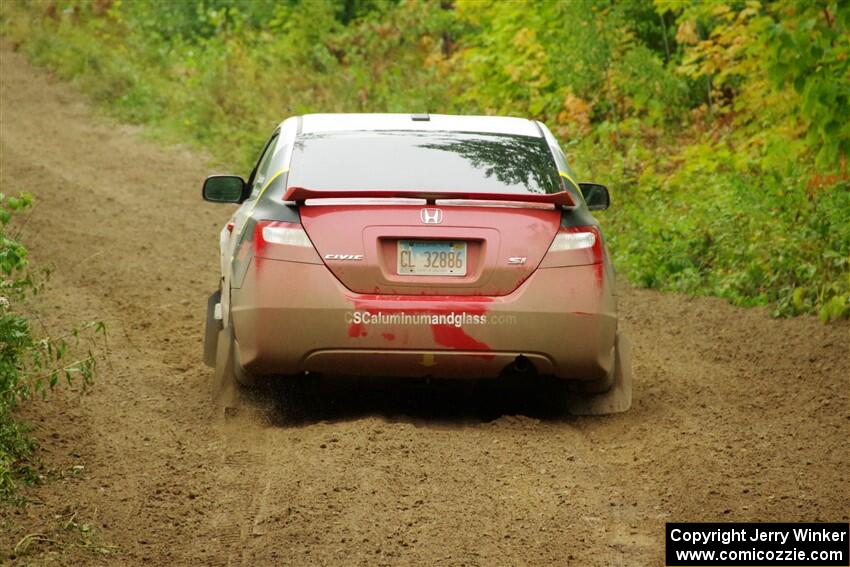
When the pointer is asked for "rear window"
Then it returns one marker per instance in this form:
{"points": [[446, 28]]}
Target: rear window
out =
{"points": [[438, 161]]}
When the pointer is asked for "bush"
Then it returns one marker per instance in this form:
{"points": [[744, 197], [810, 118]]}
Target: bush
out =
{"points": [[28, 365]]}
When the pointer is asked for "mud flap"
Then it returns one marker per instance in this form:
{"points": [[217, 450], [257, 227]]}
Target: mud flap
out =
{"points": [[225, 390], [619, 397], [211, 330]]}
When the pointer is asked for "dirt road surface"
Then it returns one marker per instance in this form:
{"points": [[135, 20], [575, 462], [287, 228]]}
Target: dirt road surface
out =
{"points": [[736, 416]]}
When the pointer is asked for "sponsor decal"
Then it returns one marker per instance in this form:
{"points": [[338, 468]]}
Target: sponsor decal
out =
{"points": [[453, 319]]}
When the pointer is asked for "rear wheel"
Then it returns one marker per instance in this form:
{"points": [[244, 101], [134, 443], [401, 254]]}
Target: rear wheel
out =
{"points": [[617, 398]]}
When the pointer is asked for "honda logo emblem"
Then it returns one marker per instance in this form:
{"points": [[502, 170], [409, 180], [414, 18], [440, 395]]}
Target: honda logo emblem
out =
{"points": [[431, 216]]}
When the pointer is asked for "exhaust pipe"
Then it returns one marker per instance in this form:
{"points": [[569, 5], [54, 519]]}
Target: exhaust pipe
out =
{"points": [[522, 365]]}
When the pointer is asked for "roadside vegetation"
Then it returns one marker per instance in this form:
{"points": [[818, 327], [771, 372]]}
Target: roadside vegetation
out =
{"points": [[31, 364], [722, 128]]}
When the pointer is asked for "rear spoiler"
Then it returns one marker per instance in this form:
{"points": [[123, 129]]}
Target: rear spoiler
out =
{"points": [[300, 194]]}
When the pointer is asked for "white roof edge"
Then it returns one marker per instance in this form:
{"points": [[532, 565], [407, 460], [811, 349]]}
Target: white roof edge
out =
{"points": [[315, 123]]}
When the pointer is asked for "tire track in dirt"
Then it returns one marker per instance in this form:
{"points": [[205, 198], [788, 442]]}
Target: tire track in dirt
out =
{"points": [[736, 416]]}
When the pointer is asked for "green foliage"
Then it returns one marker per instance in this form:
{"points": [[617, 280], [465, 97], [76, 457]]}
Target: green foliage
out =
{"points": [[810, 49], [29, 365], [722, 128]]}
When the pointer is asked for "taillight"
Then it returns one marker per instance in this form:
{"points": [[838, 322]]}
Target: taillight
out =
{"points": [[575, 246], [278, 240], [573, 241], [285, 233]]}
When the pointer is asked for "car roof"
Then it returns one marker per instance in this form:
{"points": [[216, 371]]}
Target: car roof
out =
{"points": [[316, 123]]}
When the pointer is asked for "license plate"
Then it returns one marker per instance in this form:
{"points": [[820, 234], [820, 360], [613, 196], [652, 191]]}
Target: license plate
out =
{"points": [[432, 257]]}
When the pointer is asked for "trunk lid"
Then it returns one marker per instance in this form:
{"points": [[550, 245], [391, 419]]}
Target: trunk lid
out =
{"points": [[360, 243]]}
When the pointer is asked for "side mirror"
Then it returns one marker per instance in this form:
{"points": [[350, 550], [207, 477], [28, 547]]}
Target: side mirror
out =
{"points": [[224, 189], [595, 195]]}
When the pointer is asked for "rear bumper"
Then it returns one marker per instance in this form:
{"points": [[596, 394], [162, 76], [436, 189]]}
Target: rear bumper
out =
{"points": [[291, 317]]}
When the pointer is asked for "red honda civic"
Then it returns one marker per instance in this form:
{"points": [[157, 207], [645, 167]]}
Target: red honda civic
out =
{"points": [[416, 246]]}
